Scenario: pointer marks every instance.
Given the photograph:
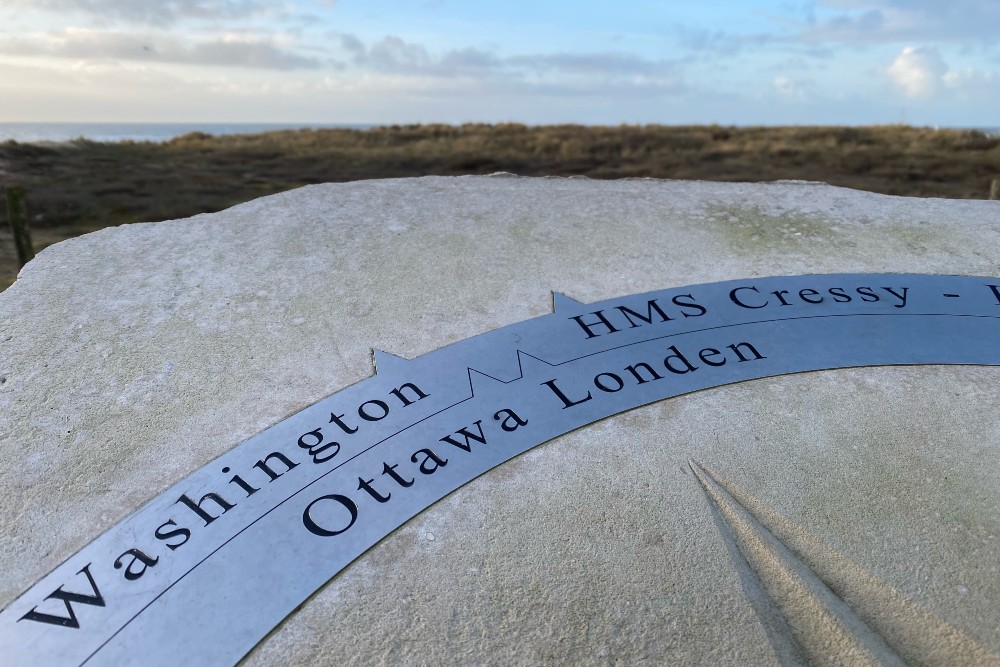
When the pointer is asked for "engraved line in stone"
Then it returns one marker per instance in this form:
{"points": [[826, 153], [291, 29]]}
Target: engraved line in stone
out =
{"points": [[823, 626], [786, 648], [779, 551]]}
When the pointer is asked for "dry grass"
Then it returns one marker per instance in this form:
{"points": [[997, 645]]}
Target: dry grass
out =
{"points": [[82, 186]]}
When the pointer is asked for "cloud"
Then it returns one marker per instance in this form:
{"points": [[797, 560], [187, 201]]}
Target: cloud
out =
{"points": [[887, 21], [151, 12], [593, 64], [921, 73], [394, 54], [254, 54], [788, 86], [918, 72], [714, 40], [468, 60], [828, 25], [568, 72], [230, 50], [974, 85], [354, 46]]}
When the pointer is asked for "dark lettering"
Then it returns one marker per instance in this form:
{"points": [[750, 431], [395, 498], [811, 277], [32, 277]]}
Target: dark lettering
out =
{"points": [[736, 348], [505, 422], [266, 469], [601, 321], [651, 306], [70, 621], [179, 532], [373, 418], [804, 294], [668, 362], [390, 470], [467, 446], [735, 299], [689, 304], [240, 482], [839, 295], [634, 370], [867, 291], [567, 403], [429, 456], [711, 352], [339, 421], [196, 507], [780, 293], [314, 448], [901, 297], [616, 386], [138, 556], [316, 529], [405, 400], [366, 485]]}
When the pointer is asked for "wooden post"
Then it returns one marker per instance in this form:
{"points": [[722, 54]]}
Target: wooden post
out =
{"points": [[18, 217], [995, 189]]}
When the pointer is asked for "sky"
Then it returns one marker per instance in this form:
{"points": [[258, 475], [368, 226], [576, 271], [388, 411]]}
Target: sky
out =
{"points": [[924, 62]]}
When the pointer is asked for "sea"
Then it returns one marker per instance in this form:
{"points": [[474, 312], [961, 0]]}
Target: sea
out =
{"points": [[158, 132]]}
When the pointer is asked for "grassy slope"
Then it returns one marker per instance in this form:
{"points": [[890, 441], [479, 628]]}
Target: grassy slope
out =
{"points": [[82, 186]]}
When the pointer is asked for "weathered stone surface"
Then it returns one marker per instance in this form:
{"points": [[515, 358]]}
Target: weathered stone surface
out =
{"points": [[134, 355]]}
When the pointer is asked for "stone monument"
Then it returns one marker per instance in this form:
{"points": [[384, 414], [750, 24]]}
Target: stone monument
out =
{"points": [[502, 420]]}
